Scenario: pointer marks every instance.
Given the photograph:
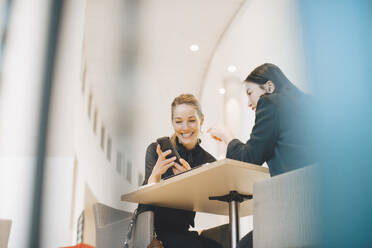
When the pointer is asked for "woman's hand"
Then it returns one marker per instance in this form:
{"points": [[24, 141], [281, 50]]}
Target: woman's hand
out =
{"points": [[221, 133], [181, 168], [161, 166]]}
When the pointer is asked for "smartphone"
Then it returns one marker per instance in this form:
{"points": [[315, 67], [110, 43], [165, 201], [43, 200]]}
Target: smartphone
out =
{"points": [[166, 144]]}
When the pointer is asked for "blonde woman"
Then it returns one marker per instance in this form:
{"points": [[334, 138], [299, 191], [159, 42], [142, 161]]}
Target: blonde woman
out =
{"points": [[172, 225]]}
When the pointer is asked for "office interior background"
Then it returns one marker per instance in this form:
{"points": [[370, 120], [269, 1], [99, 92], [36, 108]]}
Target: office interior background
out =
{"points": [[86, 86]]}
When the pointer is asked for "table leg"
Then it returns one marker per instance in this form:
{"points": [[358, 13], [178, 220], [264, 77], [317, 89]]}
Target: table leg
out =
{"points": [[234, 199], [234, 223]]}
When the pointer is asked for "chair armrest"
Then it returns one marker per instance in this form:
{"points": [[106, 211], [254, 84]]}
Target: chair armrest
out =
{"points": [[104, 214], [144, 229], [113, 234]]}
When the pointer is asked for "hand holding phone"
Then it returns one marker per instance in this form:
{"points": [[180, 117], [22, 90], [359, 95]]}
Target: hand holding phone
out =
{"points": [[162, 165], [181, 168], [168, 158], [166, 144]]}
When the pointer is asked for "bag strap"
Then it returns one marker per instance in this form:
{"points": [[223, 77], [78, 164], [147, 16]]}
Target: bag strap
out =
{"points": [[131, 227]]}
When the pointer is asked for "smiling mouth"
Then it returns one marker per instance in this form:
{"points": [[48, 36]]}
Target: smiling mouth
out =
{"points": [[186, 135]]}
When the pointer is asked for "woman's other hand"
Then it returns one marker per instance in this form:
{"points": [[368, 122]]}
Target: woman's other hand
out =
{"points": [[161, 166], [181, 168], [221, 133]]}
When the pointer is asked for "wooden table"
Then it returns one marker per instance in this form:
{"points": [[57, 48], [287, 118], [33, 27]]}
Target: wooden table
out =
{"points": [[192, 190]]}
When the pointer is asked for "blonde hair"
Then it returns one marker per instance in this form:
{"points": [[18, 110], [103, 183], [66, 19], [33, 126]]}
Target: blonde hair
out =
{"points": [[188, 99]]}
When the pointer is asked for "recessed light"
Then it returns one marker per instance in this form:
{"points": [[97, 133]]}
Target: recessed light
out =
{"points": [[231, 68], [194, 48], [222, 91]]}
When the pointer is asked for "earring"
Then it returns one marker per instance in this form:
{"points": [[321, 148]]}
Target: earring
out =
{"points": [[269, 87]]}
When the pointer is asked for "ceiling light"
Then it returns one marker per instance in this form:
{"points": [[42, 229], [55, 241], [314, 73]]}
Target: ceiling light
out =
{"points": [[231, 68], [194, 48], [222, 91]]}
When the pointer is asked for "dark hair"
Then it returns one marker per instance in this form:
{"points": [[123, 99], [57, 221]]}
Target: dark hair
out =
{"points": [[266, 72]]}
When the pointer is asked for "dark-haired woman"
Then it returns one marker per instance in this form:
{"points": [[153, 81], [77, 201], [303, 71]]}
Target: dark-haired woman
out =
{"points": [[280, 134]]}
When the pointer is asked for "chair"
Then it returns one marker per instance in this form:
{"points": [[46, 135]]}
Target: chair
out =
{"points": [[285, 210], [5, 226], [112, 227]]}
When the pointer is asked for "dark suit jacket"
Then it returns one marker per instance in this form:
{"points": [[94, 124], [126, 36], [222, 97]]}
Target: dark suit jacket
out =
{"points": [[280, 135]]}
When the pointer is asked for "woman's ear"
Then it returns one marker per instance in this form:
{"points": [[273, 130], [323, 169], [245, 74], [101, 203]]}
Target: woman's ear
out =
{"points": [[269, 87]]}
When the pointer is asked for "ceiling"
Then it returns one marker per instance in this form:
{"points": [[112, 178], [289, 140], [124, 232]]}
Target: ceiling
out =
{"points": [[138, 53]]}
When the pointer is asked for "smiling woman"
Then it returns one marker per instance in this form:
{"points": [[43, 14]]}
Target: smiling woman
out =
{"points": [[172, 225], [187, 119]]}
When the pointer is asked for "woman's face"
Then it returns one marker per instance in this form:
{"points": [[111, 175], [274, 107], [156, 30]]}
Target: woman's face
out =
{"points": [[254, 92], [186, 124]]}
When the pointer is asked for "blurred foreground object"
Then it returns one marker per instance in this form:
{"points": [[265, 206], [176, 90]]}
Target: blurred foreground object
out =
{"points": [[338, 52]]}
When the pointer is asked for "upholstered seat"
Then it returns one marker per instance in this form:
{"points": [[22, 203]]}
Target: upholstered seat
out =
{"points": [[286, 210]]}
